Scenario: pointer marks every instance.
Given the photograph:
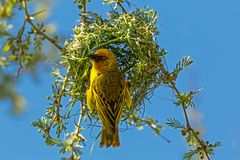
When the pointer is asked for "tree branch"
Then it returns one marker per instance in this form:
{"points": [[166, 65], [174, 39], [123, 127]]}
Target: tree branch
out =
{"points": [[184, 107], [122, 8], [28, 19], [58, 101], [19, 41], [84, 10], [77, 129]]}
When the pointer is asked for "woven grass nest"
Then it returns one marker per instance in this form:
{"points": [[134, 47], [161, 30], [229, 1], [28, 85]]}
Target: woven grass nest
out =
{"points": [[132, 38]]}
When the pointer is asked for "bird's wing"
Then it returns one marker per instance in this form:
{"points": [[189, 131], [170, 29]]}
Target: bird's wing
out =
{"points": [[108, 94], [90, 99]]}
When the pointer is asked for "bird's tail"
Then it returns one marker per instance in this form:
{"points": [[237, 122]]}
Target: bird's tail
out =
{"points": [[109, 138]]}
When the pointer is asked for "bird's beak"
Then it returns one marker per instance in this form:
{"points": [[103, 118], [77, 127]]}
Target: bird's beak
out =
{"points": [[96, 57]]}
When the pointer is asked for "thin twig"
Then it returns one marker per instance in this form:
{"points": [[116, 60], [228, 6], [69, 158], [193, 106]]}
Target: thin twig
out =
{"points": [[19, 41], [84, 10], [122, 8], [28, 19], [184, 107], [78, 128], [173, 85], [44, 35], [58, 101], [64, 83], [19, 69], [20, 32]]}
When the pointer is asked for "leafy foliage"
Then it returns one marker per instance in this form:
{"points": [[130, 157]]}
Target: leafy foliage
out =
{"points": [[200, 149], [131, 36], [185, 62], [135, 120], [20, 49], [198, 153], [173, 122]]}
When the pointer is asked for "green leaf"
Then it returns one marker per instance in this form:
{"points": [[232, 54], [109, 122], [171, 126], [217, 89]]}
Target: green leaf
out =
{"points": [[3, 62], [190, 154], [191, 139], [109, 1], [185, 62], [6, 47], [186, 99], [172, 122]]}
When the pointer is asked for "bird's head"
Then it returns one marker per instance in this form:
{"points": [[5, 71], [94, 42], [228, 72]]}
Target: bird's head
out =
{"points": [[103, 60]]}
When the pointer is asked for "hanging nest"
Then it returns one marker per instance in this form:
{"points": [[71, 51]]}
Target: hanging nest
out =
{"points": [[132, 38]]}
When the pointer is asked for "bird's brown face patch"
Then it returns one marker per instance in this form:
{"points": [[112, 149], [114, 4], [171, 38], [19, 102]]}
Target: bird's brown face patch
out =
{"points": [[96, 57], [106, 53], [104, 60]]}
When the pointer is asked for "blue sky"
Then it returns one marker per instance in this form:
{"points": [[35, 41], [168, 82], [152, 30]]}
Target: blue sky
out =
{"points": [[208, 31]]}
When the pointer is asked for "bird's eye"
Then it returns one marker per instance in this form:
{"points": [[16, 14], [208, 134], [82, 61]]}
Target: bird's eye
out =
{"points": [[103, 57], [97, 57]]}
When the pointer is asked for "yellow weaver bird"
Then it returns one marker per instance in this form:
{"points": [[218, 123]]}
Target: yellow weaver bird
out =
{"points": [[107, 94]]}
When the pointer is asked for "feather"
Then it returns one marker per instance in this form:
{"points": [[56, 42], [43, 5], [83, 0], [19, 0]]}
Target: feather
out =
{"points": [[107, 94]]}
